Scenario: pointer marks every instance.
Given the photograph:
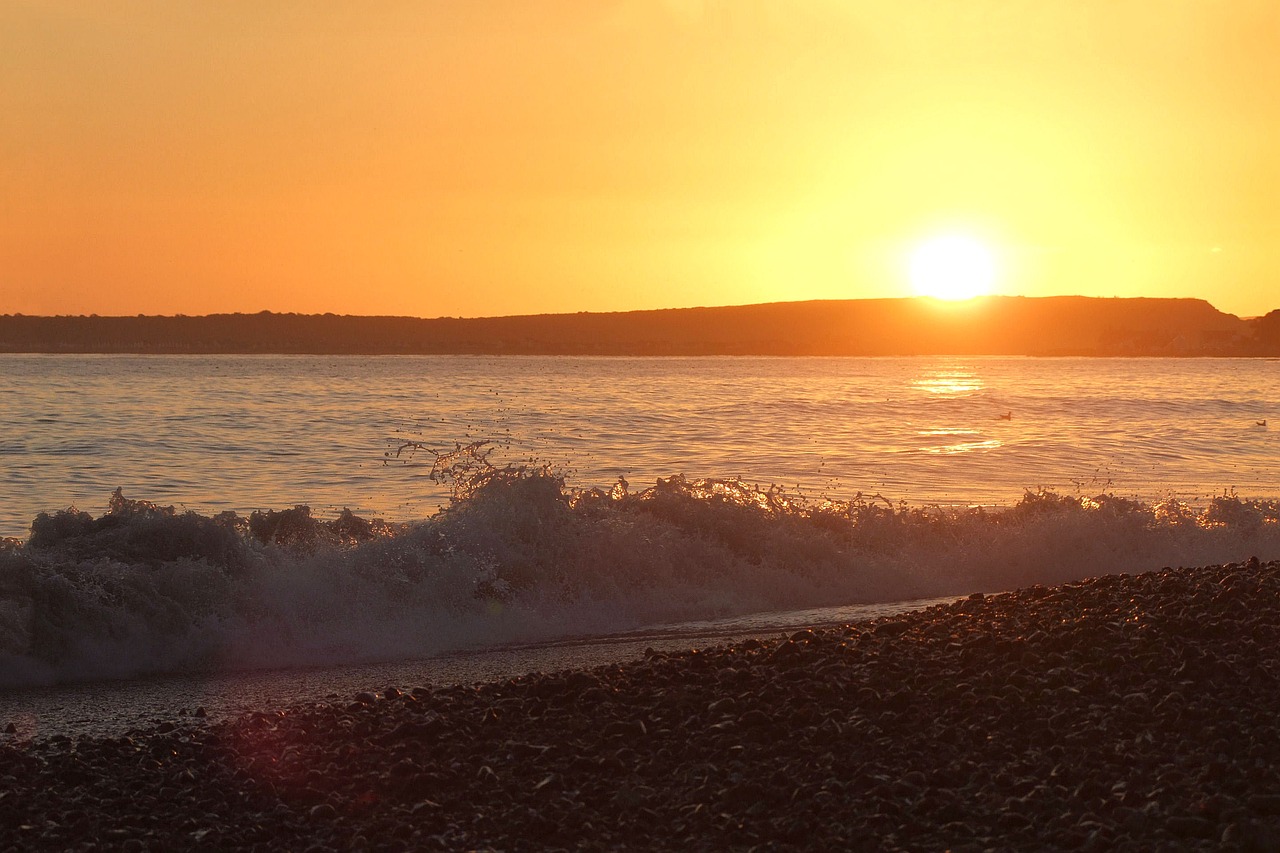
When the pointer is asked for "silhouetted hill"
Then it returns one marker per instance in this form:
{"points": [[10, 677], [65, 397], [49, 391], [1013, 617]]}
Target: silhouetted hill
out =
{"points": [[997, 325]]}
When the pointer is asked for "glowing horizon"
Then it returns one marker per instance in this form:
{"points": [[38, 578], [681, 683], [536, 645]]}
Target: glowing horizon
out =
{"points": [[438, 159]]}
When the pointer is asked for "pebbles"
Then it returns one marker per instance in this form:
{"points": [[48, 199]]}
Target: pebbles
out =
{"points": [[1120, 713]]}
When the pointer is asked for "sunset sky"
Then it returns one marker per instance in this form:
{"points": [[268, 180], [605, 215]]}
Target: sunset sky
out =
{"points": [[512, 157]]}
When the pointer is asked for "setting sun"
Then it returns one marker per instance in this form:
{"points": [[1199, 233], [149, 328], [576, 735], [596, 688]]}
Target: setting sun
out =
{"points": [[951, 267]]}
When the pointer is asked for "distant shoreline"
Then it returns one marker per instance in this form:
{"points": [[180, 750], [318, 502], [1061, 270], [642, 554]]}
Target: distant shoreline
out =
{"points": [[999, 325]]}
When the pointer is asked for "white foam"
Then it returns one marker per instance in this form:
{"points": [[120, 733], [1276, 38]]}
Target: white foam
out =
{"points": [[523, 559]]}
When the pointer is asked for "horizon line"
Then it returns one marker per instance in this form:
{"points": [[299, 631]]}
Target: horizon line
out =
{"points": [[990, 297]]}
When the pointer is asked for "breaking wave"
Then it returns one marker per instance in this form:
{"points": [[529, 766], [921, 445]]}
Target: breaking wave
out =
{"points": [[521, 556]]}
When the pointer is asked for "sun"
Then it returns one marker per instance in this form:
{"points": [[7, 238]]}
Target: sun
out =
{"points": [[953, 267]]}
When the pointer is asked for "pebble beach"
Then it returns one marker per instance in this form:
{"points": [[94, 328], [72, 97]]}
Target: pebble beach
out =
{"points": [[1125, 712]]}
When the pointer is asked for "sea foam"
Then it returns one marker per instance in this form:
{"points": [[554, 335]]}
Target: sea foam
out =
{"points": [[521, 556]]}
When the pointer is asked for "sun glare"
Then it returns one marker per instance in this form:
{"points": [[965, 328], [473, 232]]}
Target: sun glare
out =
{"points": [[951, 267]]}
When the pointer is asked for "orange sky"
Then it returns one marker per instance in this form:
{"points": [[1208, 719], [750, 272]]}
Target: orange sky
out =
{"points": [[509, 157]]}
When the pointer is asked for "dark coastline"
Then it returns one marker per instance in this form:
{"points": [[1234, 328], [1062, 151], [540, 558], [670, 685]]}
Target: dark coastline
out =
{"points": [[1118, 713], [997, 325]]}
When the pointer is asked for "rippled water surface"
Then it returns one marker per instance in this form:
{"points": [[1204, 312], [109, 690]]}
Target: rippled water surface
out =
{"points": [[182, 611], [248, 432]]}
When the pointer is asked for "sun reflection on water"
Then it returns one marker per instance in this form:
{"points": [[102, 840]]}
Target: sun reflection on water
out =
{"points": [[961, 441], [946, 382], [949, 382]]}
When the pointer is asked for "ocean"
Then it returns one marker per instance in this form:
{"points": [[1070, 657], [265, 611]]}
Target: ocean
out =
{"points": [[473, 517]]}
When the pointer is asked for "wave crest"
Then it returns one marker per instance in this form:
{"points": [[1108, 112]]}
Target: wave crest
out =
{"points": [[520, 555]]}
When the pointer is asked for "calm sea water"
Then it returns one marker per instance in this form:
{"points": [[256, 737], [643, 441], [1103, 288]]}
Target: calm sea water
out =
{"points": [[246, 432]]}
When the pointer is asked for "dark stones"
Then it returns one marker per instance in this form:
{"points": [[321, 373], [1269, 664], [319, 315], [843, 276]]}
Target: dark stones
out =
{"points": [[580, 681], [624, 729], [1189, 826], [892, 629], [323, 811], [413, 729], [1264, 804], [786, 651], [755, 718], [1121, 713]]}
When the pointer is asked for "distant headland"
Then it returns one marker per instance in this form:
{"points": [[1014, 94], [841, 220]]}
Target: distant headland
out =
{"points": [[994, 325]]}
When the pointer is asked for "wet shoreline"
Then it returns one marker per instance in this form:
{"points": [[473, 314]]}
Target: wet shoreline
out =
{"points": [[1121, 712]]}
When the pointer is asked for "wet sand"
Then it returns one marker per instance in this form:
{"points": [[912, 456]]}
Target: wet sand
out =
{"points": [[1123, 712]]}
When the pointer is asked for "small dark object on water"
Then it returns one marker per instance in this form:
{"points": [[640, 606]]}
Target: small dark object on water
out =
{"points": [[1262, 422], [1007, 416]]}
